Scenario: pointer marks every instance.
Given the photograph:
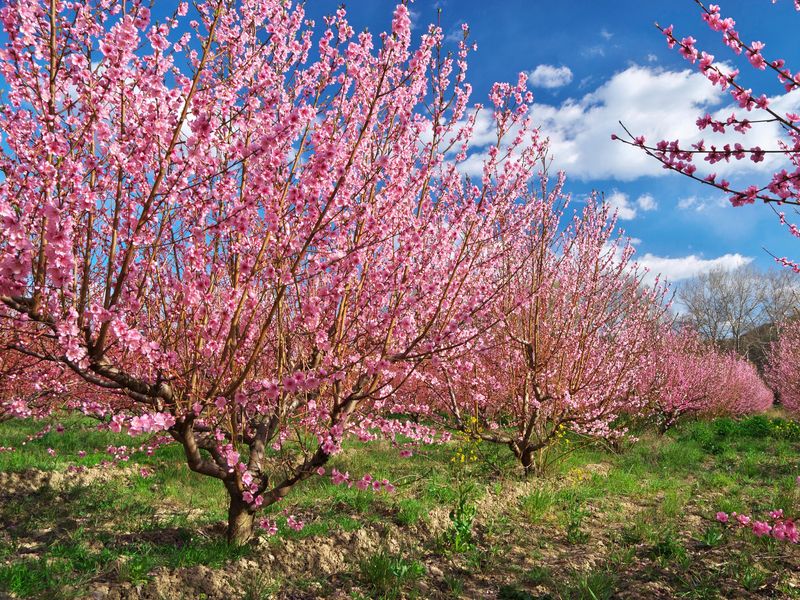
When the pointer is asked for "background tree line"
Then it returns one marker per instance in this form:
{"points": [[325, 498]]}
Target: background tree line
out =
{"points": [[741, 309]]}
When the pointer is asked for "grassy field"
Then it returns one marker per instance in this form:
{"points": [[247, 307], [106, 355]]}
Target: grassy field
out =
{"points": [[632, 524]]}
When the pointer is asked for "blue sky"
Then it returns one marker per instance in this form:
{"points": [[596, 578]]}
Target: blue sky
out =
{"points": [[602, 61]]}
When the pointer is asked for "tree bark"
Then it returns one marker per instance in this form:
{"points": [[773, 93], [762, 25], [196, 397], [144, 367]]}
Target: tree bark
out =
{"points": [[526, 458], [524, 453], [241, 520]]}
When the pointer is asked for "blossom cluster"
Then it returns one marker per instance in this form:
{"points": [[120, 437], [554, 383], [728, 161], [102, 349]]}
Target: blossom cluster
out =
{"points": [[784, 186], [777, 526]]}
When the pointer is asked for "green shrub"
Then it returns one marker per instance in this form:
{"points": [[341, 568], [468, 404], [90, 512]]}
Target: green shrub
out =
{"points": [[784, 429], [756, 426], [710, 436], [724, 427]]}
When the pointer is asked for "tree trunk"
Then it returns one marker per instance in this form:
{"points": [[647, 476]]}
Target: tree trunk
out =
{"points": [[523, 451], [526, 458], [241, 519]]}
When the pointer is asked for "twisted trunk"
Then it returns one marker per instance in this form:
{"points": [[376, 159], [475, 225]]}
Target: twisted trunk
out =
{"points": [[241, 522]]}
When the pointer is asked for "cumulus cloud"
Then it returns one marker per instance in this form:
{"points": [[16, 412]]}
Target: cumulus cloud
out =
{"points": [[646, 202], [549, 76], [652, 101], [657, 103], [685, 267], [619, 202]]}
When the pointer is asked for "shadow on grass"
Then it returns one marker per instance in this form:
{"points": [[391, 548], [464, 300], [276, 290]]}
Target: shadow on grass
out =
{"points": [[56, 542]]}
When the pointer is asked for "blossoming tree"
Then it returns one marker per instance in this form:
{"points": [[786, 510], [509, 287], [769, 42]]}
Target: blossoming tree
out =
{"points": [[782, 372], [578, 330], [689, 377], [243, 236]]}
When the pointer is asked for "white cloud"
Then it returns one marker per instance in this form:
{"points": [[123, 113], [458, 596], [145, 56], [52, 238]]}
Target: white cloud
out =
{"points": [[654, 102], [619, 202], [646, 202], [414, 16], [456, 34], [549, 76], [685, 267], [607, 35], [651, 101], [593, 51], [651, 58], [700, 204]]}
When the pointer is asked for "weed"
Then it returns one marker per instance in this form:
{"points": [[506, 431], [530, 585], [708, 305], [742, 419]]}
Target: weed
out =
{"points": [[575, 517], [259, 587], [669, 548], [712, 536], [699, 585], [538, 575], [751, 577], [386, 575], [512, 592], [537, 503], [622, 557], [409, 511], [454, 584], [462, 517], [598, 584]]}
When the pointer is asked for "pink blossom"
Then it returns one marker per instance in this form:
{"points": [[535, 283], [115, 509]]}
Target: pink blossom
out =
{"points": [[269, 526], [294, 523]]}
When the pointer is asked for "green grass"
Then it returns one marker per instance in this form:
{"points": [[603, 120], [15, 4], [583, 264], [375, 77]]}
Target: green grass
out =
{"points": [[650, 509], [537, 504], [386, 575]]}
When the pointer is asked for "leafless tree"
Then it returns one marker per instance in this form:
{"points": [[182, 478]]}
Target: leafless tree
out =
{"points": [[740, 309]]}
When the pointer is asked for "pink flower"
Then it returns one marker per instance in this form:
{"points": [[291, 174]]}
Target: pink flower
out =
{"points": [[269, 526], [761, 529], [338, 478], [722, 517], [294, 523], [290, 384]]}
